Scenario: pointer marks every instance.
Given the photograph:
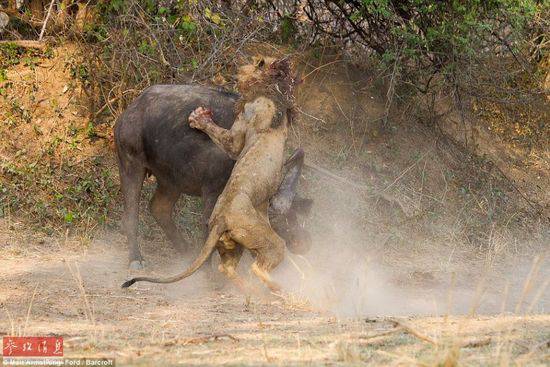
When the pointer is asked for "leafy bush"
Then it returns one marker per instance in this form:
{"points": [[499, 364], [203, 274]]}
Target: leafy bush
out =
{"points": [[162, 42], [427, 47], [456, 45]]}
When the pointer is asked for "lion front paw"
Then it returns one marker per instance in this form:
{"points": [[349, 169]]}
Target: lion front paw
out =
{"points": [[200, 117]]}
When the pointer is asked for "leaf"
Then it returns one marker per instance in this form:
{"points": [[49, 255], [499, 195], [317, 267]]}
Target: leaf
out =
{"points": [[213, 17], [187, 24], [3, 75], [69, 217]]}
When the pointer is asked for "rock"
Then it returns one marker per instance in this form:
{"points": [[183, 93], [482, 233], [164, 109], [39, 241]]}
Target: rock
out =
{"points": [[4, 20]]}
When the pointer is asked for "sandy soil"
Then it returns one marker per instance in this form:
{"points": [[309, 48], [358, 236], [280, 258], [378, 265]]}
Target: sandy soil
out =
{"points": [[57, 286]]}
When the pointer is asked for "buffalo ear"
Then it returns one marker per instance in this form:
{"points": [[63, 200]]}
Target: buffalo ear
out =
{"points": [[302, 205]]}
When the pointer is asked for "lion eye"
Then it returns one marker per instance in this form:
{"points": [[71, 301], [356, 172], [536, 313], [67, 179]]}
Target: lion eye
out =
{"points": [[261, 63]]}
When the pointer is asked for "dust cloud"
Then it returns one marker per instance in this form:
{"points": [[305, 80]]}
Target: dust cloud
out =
{"points": [[346, 273], [343, 278], [349, 273]]}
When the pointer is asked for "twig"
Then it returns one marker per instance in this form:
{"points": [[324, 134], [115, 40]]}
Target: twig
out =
{"points": [[529, 281], [310, 115], [334, 176], [46, 21], [113, 296], [360, 186], [521, 194], [406, 170], [380, 193], [10, 318], [391, 90], [112, 100], [320, 67], [510, 49], [29, 310], [75, 273], [346, 117], [302, 275]]}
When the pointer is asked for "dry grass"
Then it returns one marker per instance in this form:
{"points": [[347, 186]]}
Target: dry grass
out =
{"points": [[192, 324]]}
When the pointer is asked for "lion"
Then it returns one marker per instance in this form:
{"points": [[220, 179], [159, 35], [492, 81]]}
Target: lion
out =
{"points": [[257, 142]]}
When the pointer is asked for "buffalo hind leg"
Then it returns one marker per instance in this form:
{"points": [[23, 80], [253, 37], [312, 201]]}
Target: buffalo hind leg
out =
{"points": [[131, 179], [161, 207]]}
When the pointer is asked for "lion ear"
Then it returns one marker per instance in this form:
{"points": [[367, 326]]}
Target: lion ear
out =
{"points": [[261, 63]]}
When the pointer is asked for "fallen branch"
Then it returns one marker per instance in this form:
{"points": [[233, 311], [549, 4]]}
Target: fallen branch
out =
{"points": [[476, 343], [46, 21], [200, 340], [413, 332], [26, 44]]}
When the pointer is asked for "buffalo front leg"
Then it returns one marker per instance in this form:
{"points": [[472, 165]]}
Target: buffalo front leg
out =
{"points": [[131, 179], [161, 207]]}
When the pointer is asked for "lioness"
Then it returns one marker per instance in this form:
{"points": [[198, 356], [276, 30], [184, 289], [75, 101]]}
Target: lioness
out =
{"points": [[257, 141]]}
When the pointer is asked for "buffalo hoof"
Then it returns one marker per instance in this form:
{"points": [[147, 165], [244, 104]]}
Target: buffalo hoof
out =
{"points": [[136, 265]]}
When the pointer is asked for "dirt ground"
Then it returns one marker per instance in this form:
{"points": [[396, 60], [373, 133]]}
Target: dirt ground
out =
{"points": [[57, 286]]}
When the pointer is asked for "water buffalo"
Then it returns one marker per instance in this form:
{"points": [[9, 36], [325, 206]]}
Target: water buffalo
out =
{"points": [[153, 137]]}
